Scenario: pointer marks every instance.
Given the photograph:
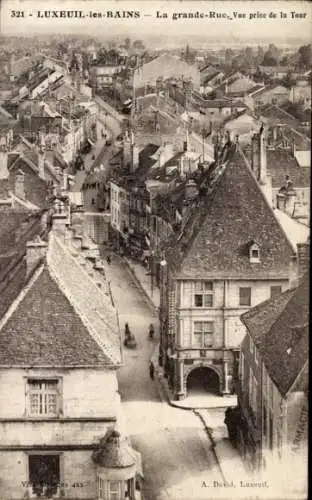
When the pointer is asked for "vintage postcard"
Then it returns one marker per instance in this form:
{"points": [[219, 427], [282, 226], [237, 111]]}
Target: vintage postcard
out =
{"points": [[154, 249]]}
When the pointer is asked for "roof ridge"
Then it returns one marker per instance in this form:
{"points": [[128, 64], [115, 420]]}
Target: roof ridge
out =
{"points": [[63, 287], [255, 309], [24, 203], [203, 215], [14, 305], [29, 162], [270, 208]]}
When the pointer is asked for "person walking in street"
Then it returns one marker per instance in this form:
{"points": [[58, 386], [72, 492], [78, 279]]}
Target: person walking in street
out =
{"points": [[151, 370], [151, 331]]}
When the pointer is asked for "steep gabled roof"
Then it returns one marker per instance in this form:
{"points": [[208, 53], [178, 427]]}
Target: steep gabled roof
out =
{"points": [[61, 318], [221, 223], [278, 116], [280, 328], [281, 163], [274, 86], [36, 189]]}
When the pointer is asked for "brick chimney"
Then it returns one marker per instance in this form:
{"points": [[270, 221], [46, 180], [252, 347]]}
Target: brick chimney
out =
{"points": [[4, 172], [41, 159], [19, 185], [259, 163], [127, 152], [135, 157], [35, 252]]}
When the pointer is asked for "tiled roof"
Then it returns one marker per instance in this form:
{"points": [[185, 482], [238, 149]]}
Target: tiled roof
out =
{"points": [[10, 220], [280, 329], [273, 69], [222, 103], [146, 161], [273, 87], [145, 155], [278, 116], [14, 287], [61, 318], [31, 157], [4, 189], [214, 240], [281, 162], [206, 77], [260, 319], [36, 189], [208, 69], [243, 93], [303, 115]]}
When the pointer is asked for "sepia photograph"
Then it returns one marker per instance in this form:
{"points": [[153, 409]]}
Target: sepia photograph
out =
{"points": [[155, 163]]}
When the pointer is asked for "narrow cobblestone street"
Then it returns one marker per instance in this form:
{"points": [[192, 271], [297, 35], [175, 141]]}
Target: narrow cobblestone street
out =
{"points": [[173, 442]]}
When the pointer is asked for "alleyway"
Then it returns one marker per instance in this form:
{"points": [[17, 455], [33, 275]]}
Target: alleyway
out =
{"points": [[174, 445]]}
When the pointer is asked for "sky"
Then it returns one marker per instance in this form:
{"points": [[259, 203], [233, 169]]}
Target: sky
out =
{"points": [[259, 20]]}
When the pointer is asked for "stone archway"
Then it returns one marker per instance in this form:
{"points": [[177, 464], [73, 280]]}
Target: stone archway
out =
{"points": [[203, 379]]}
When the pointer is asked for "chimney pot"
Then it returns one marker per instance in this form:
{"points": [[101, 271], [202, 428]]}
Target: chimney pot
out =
{"points": [[41, 159]]}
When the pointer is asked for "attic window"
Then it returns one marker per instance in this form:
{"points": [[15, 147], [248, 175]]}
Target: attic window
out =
{"points": [[254, 253]]}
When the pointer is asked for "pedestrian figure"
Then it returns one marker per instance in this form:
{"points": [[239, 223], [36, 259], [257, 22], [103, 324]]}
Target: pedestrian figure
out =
{"points": [[151, 331], [108, 259], [127, 331], [151, 370]]}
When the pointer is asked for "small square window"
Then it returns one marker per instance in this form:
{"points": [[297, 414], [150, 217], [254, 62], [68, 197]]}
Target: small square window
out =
{"points": [[203, 296], [208, 300], [43, 397], [275, 291], [198, 300], [203, 333]]}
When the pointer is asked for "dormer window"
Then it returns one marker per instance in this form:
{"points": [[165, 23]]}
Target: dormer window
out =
{"points": [[254, 253]]}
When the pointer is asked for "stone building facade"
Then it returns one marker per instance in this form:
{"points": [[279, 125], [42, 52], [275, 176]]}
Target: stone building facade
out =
{"points": [[215, 267]]}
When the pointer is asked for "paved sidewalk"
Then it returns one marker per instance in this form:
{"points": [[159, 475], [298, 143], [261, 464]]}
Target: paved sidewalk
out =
{"points": [[143, 278], [228, 458]]}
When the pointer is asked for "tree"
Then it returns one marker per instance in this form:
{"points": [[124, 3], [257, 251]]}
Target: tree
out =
{"points": [[127, 43], [229, 54], [189, 54], [249, 55], [305, 56], [260, 54], [102, 55], [239, 62], [271, 56], [289, 80], [138, 44]]}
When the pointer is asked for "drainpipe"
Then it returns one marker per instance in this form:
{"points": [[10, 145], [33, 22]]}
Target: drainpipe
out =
{"points": [[225, 363]]}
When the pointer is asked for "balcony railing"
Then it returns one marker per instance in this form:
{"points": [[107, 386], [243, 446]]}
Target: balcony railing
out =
{"points": [[192, 352]]}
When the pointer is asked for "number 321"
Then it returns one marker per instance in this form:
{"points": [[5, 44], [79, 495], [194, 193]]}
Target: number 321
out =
{"points": [[17, 13]]}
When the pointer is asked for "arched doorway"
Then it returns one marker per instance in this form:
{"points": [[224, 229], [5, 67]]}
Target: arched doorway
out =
{"points": [[203, 380]]}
